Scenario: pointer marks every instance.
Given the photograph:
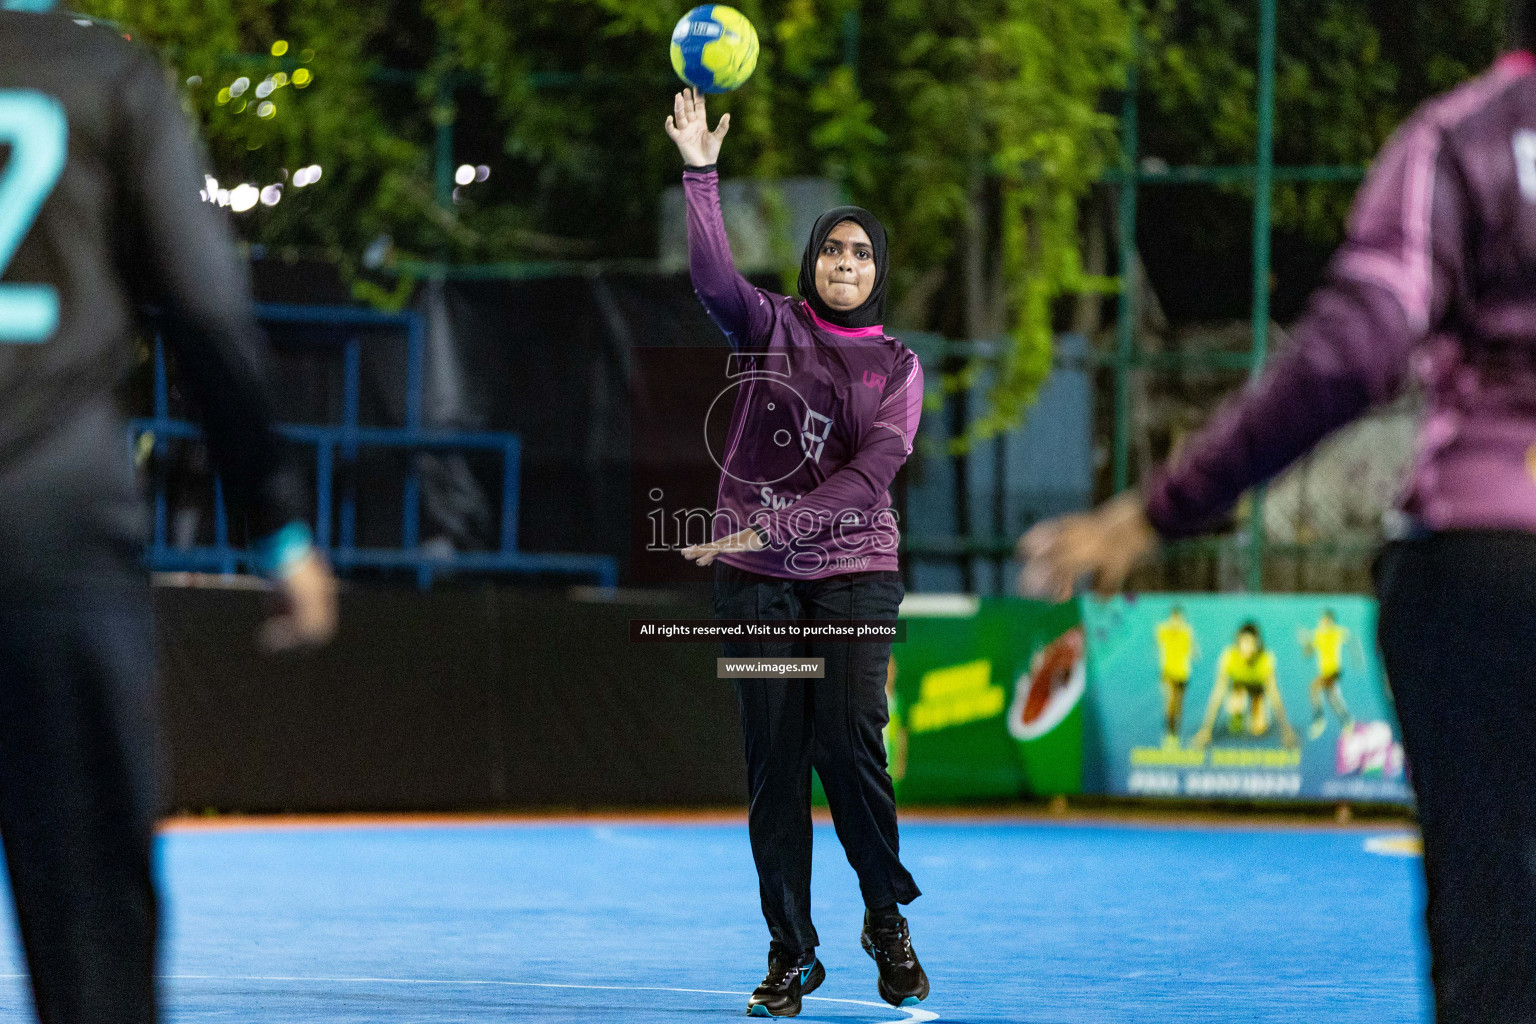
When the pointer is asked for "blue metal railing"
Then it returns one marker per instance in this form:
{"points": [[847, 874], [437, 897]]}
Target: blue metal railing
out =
{"points": [[342, 443]]}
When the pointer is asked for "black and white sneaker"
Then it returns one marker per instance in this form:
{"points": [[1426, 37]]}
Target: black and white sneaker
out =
{"points": [[790, 976], [889, 943]]}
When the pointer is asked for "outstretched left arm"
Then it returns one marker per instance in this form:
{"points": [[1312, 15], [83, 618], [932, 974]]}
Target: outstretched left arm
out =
{"points": [[1390, 284]]}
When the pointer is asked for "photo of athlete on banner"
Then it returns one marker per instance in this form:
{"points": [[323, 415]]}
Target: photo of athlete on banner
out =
{"points": [[1264, 657], [1326, 642], [1246, 681], [1177, 652]]}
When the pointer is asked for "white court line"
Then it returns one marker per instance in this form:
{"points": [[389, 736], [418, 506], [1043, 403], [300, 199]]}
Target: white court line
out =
{"points": [[1404, 845], [914, 1015]]}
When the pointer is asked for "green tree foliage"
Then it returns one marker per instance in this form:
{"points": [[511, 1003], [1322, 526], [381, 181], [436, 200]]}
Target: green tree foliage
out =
{"points": [[1004, 133], [329, 112], [971, 126], [1347, 74]]}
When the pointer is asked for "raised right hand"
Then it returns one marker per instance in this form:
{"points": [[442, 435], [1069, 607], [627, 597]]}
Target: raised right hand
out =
{"points": [[688, 128]]}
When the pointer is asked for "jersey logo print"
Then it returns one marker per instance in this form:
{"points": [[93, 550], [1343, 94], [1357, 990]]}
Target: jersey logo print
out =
{"points": [[814, 429], [35, 129]]}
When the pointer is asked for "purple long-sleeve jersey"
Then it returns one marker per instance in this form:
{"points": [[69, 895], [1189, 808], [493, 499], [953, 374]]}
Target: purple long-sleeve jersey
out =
{"points": [[821, 418], [1437, 277]]}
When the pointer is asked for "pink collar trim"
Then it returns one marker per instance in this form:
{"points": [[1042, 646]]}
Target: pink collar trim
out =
{"points": [[877, 331], [1519, 62]]}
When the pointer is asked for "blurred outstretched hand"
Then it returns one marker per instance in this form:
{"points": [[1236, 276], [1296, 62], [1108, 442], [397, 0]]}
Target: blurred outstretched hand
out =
{"points": [[306, 608], [1102, 546]]}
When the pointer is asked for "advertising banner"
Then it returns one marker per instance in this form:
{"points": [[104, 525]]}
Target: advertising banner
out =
{"points": [[986, 700], [1243, 698]]}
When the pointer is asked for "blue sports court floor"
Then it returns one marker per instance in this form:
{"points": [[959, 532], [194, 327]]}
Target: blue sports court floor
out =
{"points": [[657, 921]]}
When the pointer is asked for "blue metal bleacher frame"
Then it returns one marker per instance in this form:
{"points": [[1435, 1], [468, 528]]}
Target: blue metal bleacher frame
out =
{"points": [[342, 442]]}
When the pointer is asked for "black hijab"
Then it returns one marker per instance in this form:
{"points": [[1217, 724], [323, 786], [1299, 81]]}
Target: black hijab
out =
{"points": [[872, 312]]}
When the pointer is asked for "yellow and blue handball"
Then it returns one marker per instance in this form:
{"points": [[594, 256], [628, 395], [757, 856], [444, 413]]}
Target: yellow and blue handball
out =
{"points": [[714, 48]]}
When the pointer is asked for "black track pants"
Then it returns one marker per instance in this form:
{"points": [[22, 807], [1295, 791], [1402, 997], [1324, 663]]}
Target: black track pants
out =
{"points": [[1458, 633], [835, 724], [77, 798]]}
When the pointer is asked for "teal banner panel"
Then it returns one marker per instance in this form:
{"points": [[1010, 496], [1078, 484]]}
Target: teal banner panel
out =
{"points": [[1239, 697]]}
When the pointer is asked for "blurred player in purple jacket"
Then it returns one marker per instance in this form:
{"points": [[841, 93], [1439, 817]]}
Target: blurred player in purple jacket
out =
{"points": [[1437, 280], [824, 413]]}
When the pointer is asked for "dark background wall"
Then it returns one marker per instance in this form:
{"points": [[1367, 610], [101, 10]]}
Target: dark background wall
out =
{"points": [[472, 698], [549, 359]]}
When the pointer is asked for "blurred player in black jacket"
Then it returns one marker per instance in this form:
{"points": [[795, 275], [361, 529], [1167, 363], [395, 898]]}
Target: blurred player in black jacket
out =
{"points": [[99, 219]]}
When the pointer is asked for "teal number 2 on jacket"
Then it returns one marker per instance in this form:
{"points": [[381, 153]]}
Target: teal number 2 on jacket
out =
{"points": [[33, 126]]}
